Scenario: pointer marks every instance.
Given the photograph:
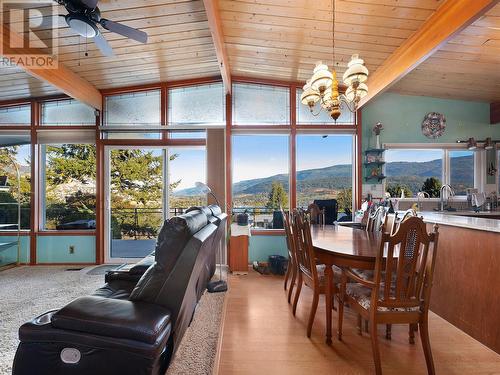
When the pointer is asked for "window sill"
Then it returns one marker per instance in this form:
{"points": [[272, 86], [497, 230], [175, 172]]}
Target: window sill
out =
{"points": [[89, 232], [268, 232]]}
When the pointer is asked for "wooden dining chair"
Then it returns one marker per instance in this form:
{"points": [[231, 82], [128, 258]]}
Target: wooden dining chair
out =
{"points": [[410, 255], [376, 220], [309, 272], [291, 271]]}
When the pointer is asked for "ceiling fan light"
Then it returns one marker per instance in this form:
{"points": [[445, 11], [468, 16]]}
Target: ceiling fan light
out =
{"points": [[82, 26]]}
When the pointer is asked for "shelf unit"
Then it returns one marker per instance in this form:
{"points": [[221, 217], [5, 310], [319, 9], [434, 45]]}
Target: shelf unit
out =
{"points": [[375, 163], [17, 226]]}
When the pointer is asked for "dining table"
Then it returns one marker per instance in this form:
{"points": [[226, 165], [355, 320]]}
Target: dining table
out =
{"points": [[342, 246]]}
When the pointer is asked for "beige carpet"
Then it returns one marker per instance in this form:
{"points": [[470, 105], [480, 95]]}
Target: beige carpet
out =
{"points": [[26, 292]]}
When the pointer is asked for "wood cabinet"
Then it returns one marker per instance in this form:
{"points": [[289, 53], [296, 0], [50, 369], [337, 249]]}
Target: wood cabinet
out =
{"points": [[466, 282], [238, 254]]}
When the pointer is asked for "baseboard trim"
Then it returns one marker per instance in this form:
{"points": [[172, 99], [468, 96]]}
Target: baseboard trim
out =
{"points": [[215, 369]]}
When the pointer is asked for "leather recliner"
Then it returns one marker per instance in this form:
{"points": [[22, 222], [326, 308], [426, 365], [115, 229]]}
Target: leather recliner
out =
{"points": [[128, 327]]}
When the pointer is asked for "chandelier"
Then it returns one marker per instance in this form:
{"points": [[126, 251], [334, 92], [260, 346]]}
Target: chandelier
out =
{"points": [[323, 86]]}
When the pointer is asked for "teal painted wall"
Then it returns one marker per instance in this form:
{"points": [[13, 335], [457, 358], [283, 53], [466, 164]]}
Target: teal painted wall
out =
{"points": [[55, 249], [402, 117], [260, 247], [10, 255]]}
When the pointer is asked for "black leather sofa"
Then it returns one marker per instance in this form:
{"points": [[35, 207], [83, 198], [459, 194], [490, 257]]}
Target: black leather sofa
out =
{"points": [[134, 323]]}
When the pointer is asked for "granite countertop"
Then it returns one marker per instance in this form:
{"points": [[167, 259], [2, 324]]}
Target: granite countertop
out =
{"points": [[457, 219]]}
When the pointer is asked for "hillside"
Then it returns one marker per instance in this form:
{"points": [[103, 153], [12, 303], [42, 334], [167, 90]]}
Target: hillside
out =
{"points": [[337, 177]]}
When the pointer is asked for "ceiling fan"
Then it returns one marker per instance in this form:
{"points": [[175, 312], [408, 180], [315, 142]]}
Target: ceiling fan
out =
{"points": [[84, 16]]}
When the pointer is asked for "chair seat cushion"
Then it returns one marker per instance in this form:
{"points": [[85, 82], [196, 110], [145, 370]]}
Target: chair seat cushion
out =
{"points": [[337, 273], [362, 295]]}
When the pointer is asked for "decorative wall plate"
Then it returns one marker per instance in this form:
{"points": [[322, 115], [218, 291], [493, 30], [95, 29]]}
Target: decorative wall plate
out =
{"points": [[433, 125]]}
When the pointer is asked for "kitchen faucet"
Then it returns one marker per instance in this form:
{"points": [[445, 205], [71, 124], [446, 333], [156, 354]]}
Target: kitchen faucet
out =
{"points": [[421, 194], [448, 189]]}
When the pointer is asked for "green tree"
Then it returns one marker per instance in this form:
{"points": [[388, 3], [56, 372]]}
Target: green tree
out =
{"points": [[8, 156], [277, 196], [395, 190], [344, 199], [431, 186]]}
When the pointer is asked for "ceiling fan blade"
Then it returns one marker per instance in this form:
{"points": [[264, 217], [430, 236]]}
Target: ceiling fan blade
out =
{"points": [[129, 32], [103, 45], [91, 4]]}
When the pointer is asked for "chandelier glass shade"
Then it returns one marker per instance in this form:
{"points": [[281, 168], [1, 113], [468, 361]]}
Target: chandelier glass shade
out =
{"points": [[323, 86]]}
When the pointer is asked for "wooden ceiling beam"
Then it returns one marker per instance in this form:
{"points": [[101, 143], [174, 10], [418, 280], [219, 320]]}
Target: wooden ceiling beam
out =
{"points": [[448, 20], [59, 76], [215, 25]]}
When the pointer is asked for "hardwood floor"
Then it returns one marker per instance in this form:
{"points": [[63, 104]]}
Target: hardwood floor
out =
{"points": [[260, 336]]}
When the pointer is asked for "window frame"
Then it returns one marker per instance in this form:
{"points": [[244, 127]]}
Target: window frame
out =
{"points": [[292, 129], [446, 148], [42, 196]]}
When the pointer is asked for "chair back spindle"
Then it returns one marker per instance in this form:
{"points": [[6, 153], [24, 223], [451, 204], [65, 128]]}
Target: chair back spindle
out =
{"points": [[306, 260]]}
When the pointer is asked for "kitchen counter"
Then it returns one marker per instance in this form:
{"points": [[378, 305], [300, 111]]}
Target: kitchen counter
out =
{"points": [[463, 219]]}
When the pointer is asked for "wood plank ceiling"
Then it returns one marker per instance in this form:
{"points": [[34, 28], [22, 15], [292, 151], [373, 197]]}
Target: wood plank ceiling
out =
{"points": [[467, 67], [284, 38], [179, 46], [274, 39]]}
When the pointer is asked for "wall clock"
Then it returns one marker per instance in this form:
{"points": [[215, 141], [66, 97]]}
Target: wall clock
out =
{"points": [[433, 125]]}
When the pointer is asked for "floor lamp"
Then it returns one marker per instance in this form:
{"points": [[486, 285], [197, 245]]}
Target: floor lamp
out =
{"points": [[219, 285]]}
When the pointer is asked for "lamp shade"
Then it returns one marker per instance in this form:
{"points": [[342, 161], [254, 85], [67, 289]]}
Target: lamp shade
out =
{"points": [[356, 71], [322, 77], [309, 96], [360, 92]]}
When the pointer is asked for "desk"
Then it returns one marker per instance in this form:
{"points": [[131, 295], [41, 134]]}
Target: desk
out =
{"points": [[342, 246]]}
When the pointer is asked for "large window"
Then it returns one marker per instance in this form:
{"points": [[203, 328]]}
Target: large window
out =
{"points": [[408, 170], [260, 178], [461, 171], [324, 169], [136, 189], [197, 105], [69, 186], [15, 115], [186, 166], [138, 108], [14, 152], [260, 105], [67, 112], [140, 201], [427, 170]]}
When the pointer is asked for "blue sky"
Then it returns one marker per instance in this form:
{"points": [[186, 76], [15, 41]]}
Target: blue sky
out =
{"points": [[267, 155]]}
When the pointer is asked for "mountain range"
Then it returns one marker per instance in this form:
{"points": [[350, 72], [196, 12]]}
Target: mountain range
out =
{"points": [[335, 177]]}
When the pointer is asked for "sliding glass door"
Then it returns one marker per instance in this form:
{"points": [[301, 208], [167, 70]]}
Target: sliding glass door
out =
{"points": [[144, 187]]}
